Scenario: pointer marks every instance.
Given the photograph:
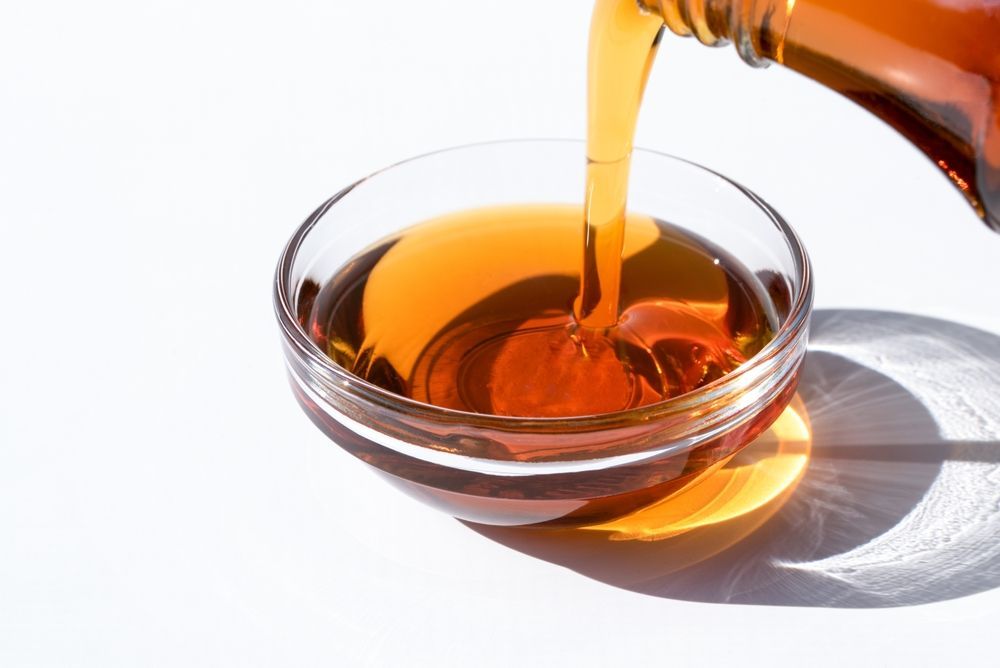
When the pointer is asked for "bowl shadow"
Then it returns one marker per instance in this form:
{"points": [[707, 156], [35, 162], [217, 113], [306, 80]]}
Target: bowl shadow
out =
{"points": [[899, 505]]}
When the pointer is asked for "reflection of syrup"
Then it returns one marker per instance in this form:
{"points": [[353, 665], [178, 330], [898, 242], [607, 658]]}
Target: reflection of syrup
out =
{"points": [[750, 486], [704, 519], [688, 527]]}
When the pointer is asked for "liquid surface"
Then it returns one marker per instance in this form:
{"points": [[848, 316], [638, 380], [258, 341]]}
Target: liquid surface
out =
{"points": [[497, 311], [474, 312]]}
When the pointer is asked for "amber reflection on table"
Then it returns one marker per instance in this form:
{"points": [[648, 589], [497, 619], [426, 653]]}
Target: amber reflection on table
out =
{"points": [[729, 504]]}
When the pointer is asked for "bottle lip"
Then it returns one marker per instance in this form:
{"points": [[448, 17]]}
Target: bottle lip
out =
{"points": [[686, 18], [340, 381]]}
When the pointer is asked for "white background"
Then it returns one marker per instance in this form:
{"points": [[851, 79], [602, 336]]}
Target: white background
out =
{"points": [[163, 501]]}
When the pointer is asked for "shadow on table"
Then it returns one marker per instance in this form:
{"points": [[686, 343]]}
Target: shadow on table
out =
{"points": [[900, 504]]}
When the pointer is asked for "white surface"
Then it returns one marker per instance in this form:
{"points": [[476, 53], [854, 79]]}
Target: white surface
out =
{"points": [[163, 501]]}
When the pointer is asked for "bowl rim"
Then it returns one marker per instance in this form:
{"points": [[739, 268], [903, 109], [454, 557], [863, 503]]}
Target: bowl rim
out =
{"points": [[346, 383]]}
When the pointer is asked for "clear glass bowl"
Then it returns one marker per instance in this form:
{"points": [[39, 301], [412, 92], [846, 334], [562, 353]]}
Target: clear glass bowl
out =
{"points": [[544, 471]]}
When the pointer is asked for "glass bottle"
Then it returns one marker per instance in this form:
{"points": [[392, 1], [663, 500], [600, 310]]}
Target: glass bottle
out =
{"points": [[929, 68]]}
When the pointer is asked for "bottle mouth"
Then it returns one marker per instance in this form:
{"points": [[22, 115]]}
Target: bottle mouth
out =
{"points": [[712, 27], [772, 359]]}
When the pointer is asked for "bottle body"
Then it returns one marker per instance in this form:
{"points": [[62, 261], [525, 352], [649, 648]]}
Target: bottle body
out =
{"points": [[929, 69]]}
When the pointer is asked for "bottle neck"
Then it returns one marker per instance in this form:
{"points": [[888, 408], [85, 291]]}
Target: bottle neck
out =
{"points": [[755, 27]]}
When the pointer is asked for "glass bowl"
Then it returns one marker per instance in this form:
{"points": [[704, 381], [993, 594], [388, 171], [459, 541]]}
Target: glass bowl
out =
{"points": [[544, 471]]}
